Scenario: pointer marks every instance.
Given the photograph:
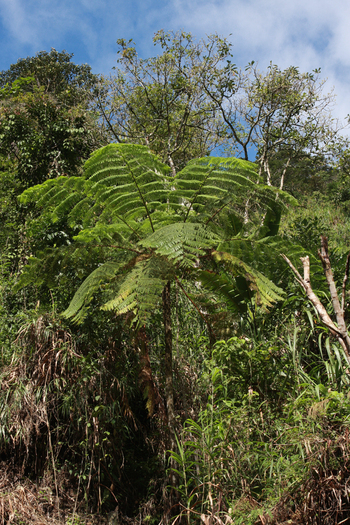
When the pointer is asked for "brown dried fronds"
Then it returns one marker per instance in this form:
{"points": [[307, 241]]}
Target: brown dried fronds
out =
{"points": [[47, 349], [41, 356], [23, 502]]}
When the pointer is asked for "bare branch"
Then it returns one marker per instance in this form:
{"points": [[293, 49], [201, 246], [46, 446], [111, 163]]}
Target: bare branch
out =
{"points": [[305, 283], [324, 256], [339, 331]]}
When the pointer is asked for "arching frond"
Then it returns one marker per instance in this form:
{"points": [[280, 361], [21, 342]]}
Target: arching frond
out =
{"points": [[42, 191], [128, 181], [265, 291], [121, 182], [114, 235], [141, 291], [208, 185], [83, 296], [222, 288]]}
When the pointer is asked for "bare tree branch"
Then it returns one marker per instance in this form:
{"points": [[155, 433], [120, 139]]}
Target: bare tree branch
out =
{"points": [[339, 331], [305, 283]]}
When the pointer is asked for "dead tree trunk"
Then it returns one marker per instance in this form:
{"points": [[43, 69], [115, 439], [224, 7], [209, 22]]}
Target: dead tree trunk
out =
{"points": [[339, 330]]}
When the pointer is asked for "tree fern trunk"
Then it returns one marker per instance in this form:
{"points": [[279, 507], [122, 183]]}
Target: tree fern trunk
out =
{"points": [[169, 387]]}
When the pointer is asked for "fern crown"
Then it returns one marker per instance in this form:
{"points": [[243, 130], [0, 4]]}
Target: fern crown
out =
{"points": [[158, 228]]}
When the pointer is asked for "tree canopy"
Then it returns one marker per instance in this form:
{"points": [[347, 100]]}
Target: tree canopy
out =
{"points": [[45, 125], [53, 71], [191, 100]]}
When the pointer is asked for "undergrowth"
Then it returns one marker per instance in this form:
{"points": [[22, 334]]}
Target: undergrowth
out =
{"points": [[251, 459], [265, 440]]}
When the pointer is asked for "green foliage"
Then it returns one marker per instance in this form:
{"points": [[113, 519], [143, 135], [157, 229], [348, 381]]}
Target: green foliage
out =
{"points": [[250, 453], [284, 116], [44, 123], [141, 290], [12, 233], [260, 388], [54, 71], [81, 392], [182, 243], [83, 297], [256, 284], [165, 225]]}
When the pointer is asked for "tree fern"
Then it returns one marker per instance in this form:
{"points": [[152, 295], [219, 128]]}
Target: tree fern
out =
{"points": [[154, 230], [126, 202]]}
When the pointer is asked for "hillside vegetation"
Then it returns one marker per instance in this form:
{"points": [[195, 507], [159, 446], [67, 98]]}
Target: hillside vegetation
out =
{"points": [[174, 264]]}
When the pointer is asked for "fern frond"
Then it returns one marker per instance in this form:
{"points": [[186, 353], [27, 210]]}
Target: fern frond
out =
{"points": [[86, 291], [113, 235], [182, 242], [127, 180], [265, 291], [82, 213], [41, 191], [223, 288], [205, 183], [142, 288], [208, 185]]}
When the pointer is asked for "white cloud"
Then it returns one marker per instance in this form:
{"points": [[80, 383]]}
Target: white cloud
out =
{"points": [[305, 33], [15, 20]]}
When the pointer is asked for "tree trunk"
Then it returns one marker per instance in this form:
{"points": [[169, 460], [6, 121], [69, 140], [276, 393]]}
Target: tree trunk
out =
{"points": [[146, 380], [169, 386]]}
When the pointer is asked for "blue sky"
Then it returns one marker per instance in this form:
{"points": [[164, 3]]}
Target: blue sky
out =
{"points": [[305, 33]]}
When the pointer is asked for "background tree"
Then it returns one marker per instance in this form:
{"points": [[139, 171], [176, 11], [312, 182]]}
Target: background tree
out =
{"points": [[191, 99], [282, 116], [45, 123], [55, 72], [159, 101]]}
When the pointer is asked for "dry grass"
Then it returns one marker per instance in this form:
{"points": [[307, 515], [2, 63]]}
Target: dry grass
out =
{"points": [[324, 498], [24, 502]]}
